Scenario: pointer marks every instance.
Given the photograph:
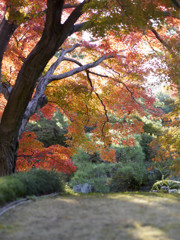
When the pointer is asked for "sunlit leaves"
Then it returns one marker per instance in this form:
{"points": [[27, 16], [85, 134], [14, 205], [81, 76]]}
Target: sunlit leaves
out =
{"points": [[32, 154]]}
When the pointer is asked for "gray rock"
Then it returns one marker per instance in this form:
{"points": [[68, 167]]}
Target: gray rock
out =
{"points": [[86, 188], [77, 188], [82, 188], [164, 188], [173, 191], [154, 191]]}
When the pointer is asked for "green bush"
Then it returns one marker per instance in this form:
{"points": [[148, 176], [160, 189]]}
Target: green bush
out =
{"points": [[106, 177], [144, 142], [35, 182], [39, 182], [124, 154], [100, 185], [10, 189], [94, 174], [127, 176]]}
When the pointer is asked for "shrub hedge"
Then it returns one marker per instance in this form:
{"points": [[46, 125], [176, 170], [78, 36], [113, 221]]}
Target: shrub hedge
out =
{"points": [[35, 182]]}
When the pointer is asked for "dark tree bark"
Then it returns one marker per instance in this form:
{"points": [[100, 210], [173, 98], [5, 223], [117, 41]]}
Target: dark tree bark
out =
{"points": [[53, 36], [6, 31]]}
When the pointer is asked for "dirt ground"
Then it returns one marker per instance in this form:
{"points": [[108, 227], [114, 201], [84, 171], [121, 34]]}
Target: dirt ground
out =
{"points": [[94, 217]]}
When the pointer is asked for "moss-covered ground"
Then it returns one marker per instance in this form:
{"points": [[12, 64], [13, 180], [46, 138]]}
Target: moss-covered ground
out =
{"points": [[121, 216]]}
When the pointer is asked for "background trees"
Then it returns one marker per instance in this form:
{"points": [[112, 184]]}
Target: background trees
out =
{"points": [[41, 55]]}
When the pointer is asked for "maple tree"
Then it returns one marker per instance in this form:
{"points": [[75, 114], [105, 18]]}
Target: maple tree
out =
{"points": [[32, 154], [36, 44]]}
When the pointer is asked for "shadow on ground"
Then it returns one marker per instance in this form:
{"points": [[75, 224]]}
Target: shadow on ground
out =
{"points": [[95, 217]]}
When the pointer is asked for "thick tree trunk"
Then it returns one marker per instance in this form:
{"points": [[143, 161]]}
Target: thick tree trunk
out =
{"points": [[53, 36], [8, 149], [8, 155], [6, 31]]}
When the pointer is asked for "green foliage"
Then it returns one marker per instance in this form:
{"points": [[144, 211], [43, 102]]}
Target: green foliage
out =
{"points": [[152, 129], [167, 183], [144, 142], [127, 14], [106, 177], [165, 102], [129, 153], [10, 189], [90, 172], [127, 176], [81, 159], [35, 182], [50, 132], [39, 182], [94, 174]]}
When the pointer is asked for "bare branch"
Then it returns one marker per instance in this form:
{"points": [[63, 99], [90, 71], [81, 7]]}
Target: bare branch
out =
{"points": [[160, 39], [98, 74], [121, 82], [74, 16], [80, 69], [97, 95], [78, 27], [60, 59], [169, 14], [176, 3], [70, 6]]}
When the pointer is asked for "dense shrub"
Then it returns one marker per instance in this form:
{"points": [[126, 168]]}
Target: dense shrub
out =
{"points": [[151, 174], [94, 174], [106, 177], [10, 189], [144, 142], [35, 182], [39, 182], [50, 132], [124, 154], [127, 176]]}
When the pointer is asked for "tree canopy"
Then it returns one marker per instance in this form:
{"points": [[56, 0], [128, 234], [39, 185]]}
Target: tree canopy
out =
{"points": [[91, 60]]}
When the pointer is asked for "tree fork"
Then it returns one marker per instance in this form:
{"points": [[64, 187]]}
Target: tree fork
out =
{"points": [[54, 34]]}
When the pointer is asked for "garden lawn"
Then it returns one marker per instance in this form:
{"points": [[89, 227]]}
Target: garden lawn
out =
{"points": [[141, 216]]}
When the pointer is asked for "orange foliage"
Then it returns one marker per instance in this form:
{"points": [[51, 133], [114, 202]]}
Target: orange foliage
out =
{"points": [[119, 92], [32, 154]]}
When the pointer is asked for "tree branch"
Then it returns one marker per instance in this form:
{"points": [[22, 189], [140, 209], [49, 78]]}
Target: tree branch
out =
{"points": [[78, 27], [70, 6], [80, 69], [60, 59], [74, 16], [97, 95], [121, 82], [169, 14], [5, 89], [176, 3], [160, 39]]}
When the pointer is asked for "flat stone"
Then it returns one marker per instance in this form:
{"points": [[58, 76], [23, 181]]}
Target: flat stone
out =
{"points": [[173, 191]]}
